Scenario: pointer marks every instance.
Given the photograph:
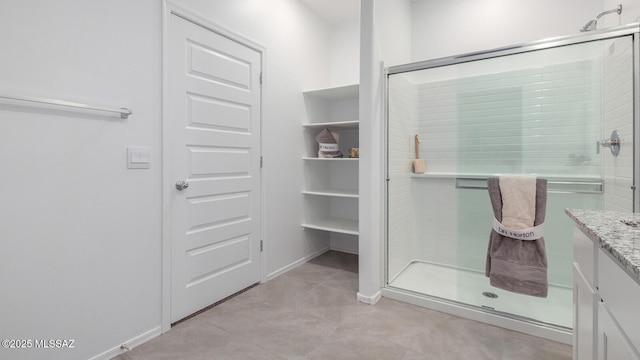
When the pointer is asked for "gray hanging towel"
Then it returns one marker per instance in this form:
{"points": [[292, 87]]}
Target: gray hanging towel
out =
{"points": [[512, 264]]}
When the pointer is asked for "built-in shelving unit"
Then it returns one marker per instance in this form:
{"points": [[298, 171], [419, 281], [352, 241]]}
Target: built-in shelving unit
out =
{"points": [[331, 184]]}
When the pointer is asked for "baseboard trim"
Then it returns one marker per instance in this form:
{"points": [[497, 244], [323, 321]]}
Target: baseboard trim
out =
{"points": [[348, 251], [129, 344], [295, 264], [371, 300]]}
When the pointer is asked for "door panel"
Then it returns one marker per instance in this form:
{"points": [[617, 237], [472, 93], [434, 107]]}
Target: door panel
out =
{"points": [[209, 63], [214, 112], [215, 161], [231, 116]]}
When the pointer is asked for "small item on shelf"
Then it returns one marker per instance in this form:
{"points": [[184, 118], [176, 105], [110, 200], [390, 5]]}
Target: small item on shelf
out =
{"points": [[418, 164], [354, 153], [328, 144]]}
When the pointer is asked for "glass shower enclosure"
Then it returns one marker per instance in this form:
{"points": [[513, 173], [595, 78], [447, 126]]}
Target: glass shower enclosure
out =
{"points": [[546, 109]]}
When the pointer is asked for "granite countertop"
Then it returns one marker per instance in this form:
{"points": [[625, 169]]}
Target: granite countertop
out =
{"points": [[608, 228]]}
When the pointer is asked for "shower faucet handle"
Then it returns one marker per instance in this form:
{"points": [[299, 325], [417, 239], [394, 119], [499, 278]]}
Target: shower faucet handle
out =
{"points": [[612, 143], [609, 142]]}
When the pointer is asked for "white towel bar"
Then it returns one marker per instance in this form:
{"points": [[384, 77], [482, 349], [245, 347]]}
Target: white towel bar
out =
{"points": [[124, 112]]}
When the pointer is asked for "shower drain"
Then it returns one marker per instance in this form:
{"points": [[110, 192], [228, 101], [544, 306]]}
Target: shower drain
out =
{"points": [[490, 295]]}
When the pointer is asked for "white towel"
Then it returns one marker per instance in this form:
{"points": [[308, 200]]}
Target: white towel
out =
{"points": [[518, 201]]}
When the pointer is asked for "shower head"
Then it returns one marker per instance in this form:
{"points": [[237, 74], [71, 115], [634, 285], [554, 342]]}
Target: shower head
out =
{"points": [[591, 25]]}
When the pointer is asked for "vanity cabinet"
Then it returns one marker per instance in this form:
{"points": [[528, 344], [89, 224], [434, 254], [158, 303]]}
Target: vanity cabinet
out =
{"points": [[606, 304], [613, 342], [585, 297], [618, 312]]}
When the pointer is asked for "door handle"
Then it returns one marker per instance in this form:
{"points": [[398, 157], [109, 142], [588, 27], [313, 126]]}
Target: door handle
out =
{"points": [[181, 185]]}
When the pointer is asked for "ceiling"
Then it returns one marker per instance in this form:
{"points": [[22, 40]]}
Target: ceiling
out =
{"points": [[335, 11]]}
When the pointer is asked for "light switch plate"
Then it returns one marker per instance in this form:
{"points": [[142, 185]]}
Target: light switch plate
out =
{"points": [[138, 157]]}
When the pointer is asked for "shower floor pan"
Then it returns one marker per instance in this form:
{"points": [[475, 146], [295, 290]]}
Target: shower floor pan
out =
{"points": [[472, 288]]}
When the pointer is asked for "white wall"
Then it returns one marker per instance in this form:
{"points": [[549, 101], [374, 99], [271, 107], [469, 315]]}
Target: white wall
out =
{"points": [[80, 249], [79, 233], [345, 54], [394, 32], [445, 28]]}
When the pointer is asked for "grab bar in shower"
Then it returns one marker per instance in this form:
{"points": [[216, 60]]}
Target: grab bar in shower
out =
{"points": [[559, 186], [124, 112]]}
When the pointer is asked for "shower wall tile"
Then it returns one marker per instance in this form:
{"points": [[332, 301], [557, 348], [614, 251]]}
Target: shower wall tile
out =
{"points": [[528, 121], [436, 211], [618, 115], [401, 217]]}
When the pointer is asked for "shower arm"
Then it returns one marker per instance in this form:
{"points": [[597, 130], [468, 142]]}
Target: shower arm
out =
{"points": [[591, 25], [616, 10]]}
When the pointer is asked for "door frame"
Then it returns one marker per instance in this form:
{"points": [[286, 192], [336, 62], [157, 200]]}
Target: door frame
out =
{"points": [[169, 8]]}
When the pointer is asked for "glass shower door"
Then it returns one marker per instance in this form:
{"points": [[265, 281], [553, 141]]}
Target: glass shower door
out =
{"points": [[545, 113]]}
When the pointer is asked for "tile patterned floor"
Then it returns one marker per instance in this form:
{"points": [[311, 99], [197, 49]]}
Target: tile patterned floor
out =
{"points": [[311, 313]]}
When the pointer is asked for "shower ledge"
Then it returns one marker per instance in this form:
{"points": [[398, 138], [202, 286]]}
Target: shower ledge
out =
{"points": [[451, 175]]}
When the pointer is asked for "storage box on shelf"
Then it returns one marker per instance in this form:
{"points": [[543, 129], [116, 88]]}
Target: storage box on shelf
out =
{"points": [[331, 184]]}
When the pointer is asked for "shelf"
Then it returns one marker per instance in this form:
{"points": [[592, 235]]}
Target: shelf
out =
{"points": [[306, 158], [334, 124], [333, 193], [344, 226], [335, 93]]}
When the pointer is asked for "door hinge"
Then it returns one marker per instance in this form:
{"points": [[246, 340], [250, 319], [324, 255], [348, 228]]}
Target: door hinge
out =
{"points": [[261, 245], [260, 78], [261, 162]]}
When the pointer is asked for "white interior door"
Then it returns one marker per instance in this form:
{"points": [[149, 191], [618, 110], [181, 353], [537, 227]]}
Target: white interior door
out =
{"points": [[214, 135]]}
